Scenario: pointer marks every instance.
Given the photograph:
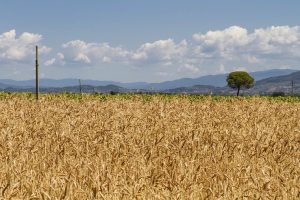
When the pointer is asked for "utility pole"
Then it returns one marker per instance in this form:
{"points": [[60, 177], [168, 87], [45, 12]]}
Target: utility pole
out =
{"points": [[36, 72], [293, 88], [80, 87]]}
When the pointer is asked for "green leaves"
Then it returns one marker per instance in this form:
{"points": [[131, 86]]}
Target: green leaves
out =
{"points": [[239, 79]]}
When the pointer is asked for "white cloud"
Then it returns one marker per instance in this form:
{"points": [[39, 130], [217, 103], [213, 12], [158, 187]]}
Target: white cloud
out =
{"points": [[235, 42], [190, 68], [252, 59], [50, 62], [93, 53], [221, 69], [231, 37], [60, 56], [58, 60], [215, 51], [29, 38], [165, 51], [82, 57], [277, 35], [261, 49], [240, 69], [163, 74], [13, 48]]}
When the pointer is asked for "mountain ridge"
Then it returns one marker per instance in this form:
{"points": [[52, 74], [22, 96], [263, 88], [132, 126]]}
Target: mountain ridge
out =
{"points": [[262, 87], [218, 80]]}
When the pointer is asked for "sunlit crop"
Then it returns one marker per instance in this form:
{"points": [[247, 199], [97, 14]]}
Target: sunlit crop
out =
{"points": [[149, 147]]}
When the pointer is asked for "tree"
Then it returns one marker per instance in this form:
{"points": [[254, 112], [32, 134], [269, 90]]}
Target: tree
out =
{"points": [[240, 79]]}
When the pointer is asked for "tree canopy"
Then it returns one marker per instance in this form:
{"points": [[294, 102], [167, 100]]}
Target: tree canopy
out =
{"points": [[240, 79]]}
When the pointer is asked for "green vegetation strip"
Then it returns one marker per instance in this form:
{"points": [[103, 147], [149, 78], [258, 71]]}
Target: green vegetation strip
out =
{"points": [[145, 97]]}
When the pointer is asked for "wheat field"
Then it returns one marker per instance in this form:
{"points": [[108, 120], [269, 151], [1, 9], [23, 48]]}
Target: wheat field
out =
{"points": [[149, 148]]}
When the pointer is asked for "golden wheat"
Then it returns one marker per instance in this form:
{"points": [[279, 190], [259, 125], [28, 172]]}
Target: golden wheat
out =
{"points": [[149, 149]]}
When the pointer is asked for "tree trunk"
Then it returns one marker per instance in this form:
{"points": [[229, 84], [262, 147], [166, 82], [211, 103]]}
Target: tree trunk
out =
{"points": [[238, 92]]}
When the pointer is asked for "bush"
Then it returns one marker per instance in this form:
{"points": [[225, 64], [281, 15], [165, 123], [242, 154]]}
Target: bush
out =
{"points": [[113, 92], [278, 94]]}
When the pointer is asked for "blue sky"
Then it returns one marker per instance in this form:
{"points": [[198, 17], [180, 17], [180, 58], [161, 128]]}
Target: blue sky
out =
{"points": [[139, 40]]}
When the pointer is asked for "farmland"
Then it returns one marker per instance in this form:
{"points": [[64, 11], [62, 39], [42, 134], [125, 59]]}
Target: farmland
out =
{"points": [[149, 147]]}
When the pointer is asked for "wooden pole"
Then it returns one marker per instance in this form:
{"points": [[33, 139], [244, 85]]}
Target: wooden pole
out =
{"points": [[292, 87], [36, 72], [80, 87]]}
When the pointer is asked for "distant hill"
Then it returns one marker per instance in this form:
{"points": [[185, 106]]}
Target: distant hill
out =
{"points": [[3, 86], [67, 83], [55, 83], [213, 80], [278, 84], [88, 89], [196, 89], [260, 75], [263, 87], [75, 89], [281, 79]]}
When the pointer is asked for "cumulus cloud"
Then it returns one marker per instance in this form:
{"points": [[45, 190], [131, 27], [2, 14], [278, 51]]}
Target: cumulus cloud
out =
{"points": [[235, 42], [50, 62], [162, 52], [13, 48], [280, 35], [230, 37], [57, 60], [215, 51], [189, 68], [92, 53], [165, 51]]}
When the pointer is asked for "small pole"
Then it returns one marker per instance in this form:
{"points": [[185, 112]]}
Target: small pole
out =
{"points": [[80, 88], [292, 87], [36, 72]]}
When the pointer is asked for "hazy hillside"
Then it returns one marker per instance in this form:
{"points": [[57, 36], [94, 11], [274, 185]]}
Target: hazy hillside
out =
{"points": [[76, 89], [3, 86], [214, 80], [196, 89], [278, 84], [265, 86]]}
